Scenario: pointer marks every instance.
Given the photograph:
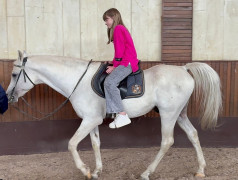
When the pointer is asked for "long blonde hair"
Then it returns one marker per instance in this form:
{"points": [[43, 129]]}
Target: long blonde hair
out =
{"points": [[117, 19]]}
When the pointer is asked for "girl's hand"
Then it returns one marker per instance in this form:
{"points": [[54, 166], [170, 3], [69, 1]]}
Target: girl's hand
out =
{"points": [[110, 69]]}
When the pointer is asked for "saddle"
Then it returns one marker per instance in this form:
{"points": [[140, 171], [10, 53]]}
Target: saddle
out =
{"points": [[130, 87]]}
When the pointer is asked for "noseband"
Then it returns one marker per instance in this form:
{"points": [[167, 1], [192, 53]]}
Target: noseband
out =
{"points": [[22, 67]]}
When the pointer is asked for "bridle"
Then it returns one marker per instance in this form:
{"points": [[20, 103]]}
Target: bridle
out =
{"points": [[26, 76], [22, 67]]}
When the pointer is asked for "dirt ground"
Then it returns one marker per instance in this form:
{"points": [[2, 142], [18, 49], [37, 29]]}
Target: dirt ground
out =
{"points": [[122, 164]]}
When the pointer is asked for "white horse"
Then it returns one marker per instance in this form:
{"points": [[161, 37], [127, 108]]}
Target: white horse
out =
{"points": [[166, 87]]}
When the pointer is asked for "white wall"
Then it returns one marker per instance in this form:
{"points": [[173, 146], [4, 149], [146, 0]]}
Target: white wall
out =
{"points": [[215, 30], [75, 27]]}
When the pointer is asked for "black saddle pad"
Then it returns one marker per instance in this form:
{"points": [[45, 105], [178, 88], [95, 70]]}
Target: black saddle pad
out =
{"points": [[131, 87]]}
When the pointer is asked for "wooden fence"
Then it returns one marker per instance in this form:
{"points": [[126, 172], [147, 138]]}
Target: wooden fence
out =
{"points": [[177, 20], [45, 99]]}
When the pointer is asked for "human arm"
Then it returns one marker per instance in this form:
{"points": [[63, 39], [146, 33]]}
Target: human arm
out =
{"points": [[119, 44]]}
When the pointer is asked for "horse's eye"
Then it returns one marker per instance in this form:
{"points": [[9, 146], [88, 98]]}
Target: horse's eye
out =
{"points": [[14, 75]]}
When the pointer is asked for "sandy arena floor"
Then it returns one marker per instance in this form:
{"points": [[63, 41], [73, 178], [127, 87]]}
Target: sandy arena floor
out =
{"points": [[122, 164]]}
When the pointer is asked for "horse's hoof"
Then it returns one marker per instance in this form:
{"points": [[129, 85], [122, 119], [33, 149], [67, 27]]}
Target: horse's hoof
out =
{"points": [[96, 173], [200, 175], [95, 176], [144, 178], [88, 177]]}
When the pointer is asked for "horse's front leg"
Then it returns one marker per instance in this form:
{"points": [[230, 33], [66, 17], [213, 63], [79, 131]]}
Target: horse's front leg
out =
{"points": [[87, 125], [95, 139]]}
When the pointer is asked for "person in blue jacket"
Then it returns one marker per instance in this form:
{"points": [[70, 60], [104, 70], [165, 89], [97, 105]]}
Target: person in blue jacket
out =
{"points": [[3, 100]]}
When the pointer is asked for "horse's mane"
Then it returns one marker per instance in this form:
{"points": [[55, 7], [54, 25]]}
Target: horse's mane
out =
{"points": [[58, 60]]}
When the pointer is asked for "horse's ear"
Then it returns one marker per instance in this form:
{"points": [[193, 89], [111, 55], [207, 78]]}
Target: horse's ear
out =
{"points": [[19, 55], [24, 54]]}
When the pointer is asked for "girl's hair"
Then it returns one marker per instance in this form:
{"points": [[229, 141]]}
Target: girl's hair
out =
{"points": [[116, 16]]}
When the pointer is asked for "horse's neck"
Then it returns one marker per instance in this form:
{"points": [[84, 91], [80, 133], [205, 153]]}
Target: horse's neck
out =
{"points": [[59, 73]]}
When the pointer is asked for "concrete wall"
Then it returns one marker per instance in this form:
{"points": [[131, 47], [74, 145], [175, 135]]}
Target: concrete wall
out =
{"points": [[215, 30], [75, 27]]}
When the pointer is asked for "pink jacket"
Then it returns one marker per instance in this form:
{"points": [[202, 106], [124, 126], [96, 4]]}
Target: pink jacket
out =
{"points": [[125, 51]]}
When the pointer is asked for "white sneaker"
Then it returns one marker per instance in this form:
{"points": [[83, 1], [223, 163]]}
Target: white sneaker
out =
{"points": [[119, 121]]}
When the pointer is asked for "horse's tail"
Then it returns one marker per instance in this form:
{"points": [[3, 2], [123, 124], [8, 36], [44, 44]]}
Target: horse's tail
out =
{"points": [[208, 92]]}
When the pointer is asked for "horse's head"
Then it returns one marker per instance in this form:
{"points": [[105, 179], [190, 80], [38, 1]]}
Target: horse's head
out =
{"points": [[20, 82]]}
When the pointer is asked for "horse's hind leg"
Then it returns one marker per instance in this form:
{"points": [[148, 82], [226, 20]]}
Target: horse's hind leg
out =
{"points": [[95, 139], [192, 134], [168, 120]]}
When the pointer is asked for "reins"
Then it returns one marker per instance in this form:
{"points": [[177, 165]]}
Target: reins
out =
{"points": [[25, 75], [51, 113]]}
